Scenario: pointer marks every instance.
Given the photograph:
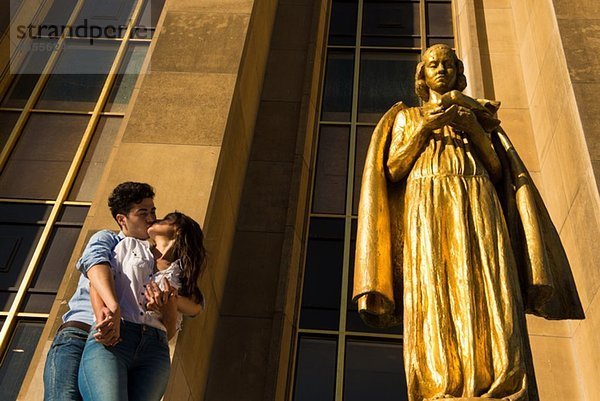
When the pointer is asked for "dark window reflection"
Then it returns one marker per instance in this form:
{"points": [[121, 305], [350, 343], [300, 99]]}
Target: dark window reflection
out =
{"points": [[8, 119], [385, 78], [59, 13], [342, 25], [55, 259], [120, 93], [374, 371], [337, 93], [439, 18], [40, 161], [96, 155], [332, 170], [104, 19], [146, 23], [315, 370], [353, 320], [28, 73], [363, 138], [17, 358], [21, 226], [393, 24], [78, 77], [323, 275], [435, 40]]}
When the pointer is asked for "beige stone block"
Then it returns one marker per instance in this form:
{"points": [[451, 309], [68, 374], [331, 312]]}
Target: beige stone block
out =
{"points": [[190, 109], [276, 131], [556, 84], [542, 127], [508, 83], [265, 196], [284, 79], [538, 326], [238, 366], [517, 124], [544, 28], [572, 151], [581, 45], [531, 68], [580, 9], [181, 175], [215, 6], [500, 30], [255, 263], [589, 111], [581, 234], [587, 350], [178, 388], [521, 17], [554, 193], [494, 4], [556, 368], [201, 42]]}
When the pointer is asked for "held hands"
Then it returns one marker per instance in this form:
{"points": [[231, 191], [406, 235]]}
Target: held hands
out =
{"points": [[159, 299], [435, 117], [109, 327]]}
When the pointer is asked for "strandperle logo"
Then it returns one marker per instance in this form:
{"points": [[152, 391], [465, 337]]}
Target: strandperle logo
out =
{"points": [[87, 26]]}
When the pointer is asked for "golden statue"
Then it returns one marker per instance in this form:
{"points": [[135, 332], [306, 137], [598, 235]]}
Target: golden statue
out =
{"points": [[454, 242]]}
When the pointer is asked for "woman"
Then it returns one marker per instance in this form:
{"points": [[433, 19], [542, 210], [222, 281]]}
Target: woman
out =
{"points": [[137, 368], [432, 237]]}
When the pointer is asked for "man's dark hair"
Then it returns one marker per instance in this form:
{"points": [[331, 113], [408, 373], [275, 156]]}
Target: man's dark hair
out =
{"points": [[127, 194]]}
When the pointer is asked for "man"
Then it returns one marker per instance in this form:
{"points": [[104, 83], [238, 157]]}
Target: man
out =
{"points": [[132, 206]]}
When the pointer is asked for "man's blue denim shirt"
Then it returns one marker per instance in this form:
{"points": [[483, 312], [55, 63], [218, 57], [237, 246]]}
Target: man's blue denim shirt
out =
{"points": [[99, 249]]}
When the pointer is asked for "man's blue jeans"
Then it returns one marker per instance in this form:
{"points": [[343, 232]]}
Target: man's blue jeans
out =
{"points": [[135, 369], [62, 365]]}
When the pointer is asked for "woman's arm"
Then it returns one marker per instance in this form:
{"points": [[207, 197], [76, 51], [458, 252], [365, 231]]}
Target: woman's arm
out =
{"points": [[467, 122], [411, 131]]}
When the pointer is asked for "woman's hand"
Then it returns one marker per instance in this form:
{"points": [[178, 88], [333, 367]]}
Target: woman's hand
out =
{"points": [[158, 298], [435, 117], [466, 121]]}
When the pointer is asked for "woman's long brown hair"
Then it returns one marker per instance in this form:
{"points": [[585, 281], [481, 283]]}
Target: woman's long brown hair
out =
{"points": [[189, 249]]}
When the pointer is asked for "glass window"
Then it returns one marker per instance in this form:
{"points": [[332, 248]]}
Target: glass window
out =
{"points": [[385, 78], [8, 119], [28, 73], [146, 24], [342, 25], [374, 371], [332, 170], [125, 80], [394, 24], [40, 161], [323, 274], [439, 16], [73, 214], [103, 19], [337, 93], [21, 226], [17, 357], [56, 257], [315, 371], [363, 138], [92, 167], [59, 13], [78, 76]]}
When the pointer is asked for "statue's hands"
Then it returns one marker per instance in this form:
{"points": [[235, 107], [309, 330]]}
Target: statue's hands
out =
{"points": [[466, 121], [435, 117]]}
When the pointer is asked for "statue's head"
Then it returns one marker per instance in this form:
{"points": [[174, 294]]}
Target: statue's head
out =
{"points": [[439, 70]]}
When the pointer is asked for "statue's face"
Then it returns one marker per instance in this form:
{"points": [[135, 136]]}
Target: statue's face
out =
{"points": [[440, 70]]}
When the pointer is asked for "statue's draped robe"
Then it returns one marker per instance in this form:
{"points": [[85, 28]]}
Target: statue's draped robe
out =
{"points": [[470, 257]]}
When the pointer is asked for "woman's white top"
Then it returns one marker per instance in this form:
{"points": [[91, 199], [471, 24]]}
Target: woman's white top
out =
{"points": [[133, 268]]}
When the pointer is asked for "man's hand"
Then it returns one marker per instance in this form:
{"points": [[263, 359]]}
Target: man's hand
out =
{"points": [[109, 327]]}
